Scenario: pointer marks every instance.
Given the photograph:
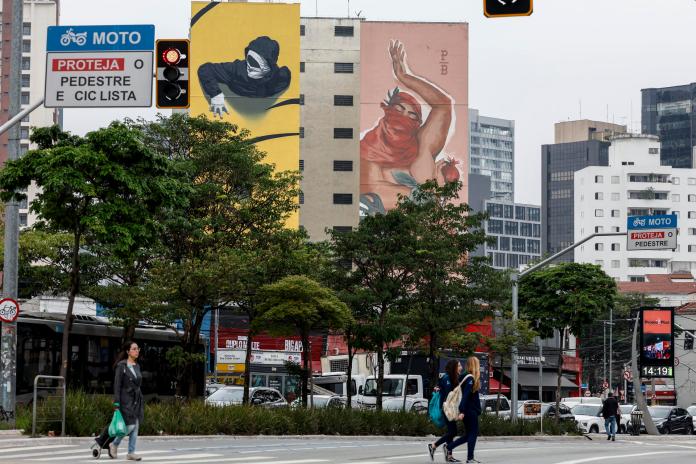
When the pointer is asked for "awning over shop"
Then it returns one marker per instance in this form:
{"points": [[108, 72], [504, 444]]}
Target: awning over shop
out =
{"points": [[493, 387], [529, 378]]}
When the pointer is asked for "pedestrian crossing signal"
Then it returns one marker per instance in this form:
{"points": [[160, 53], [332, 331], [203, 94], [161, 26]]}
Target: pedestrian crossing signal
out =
{"points": [[172, 73], [505, 8]]}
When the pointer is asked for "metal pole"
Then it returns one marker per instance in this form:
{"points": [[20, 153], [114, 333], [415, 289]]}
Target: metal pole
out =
{"points": [[19, 116], [217, 315], [513, 355], [8, 338], [611, 348], [541, 377], [604, 349]]}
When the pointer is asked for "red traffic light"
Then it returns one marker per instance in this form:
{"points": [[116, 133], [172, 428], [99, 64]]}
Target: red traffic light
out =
{"points": [[171, 56]]}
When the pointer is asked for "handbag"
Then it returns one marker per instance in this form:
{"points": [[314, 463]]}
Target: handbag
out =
{"points": [[451, 405], [434, 410], [118, 427]]}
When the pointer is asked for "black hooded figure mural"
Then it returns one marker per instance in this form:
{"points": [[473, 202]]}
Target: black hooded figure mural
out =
{"points": [[257, 76]]}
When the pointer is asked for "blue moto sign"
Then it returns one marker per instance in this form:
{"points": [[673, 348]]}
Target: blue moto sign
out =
{"points": [[131, 37], [99, 66], [652, 232]]}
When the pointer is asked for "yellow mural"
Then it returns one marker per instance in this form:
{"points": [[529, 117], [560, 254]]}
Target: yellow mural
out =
{"points": [[245, 69]]}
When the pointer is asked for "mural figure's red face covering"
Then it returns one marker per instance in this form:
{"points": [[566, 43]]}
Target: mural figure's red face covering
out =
{"points": [[393, 142]]}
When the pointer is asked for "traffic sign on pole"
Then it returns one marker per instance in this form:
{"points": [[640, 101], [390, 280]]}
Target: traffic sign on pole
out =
{"points": [[627, 375], [506, 8], [652, 232], [99, 66]]}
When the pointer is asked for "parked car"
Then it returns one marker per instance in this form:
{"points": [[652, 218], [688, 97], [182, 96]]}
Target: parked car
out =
{"points": [[671, 419], [488, 405], [571, 401], [258, 396], [692, 410], [394, 393], [528, 410], [322, 401], [212, 388], [589, 417]]}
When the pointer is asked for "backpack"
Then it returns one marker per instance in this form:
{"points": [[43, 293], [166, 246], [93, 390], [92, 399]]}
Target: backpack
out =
{"points": [[434, 410], [451, 405]]}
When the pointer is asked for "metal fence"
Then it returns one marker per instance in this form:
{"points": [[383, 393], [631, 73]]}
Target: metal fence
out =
{"points": [[53, 392]]}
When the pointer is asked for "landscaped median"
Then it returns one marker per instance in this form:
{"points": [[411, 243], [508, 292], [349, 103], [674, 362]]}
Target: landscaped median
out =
{"points": [[87, 415]]}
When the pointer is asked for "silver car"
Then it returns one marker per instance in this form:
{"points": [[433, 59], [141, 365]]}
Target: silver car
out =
{"points": [[692, 410], [258, 396]]}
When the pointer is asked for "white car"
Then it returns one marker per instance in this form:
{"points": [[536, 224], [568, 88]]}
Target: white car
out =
{"points": [[626, 410], [589, 417], [692, 410], [258, 396]]}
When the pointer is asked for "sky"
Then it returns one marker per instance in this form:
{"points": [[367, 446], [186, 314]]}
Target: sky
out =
{"points": [[571, 59]]}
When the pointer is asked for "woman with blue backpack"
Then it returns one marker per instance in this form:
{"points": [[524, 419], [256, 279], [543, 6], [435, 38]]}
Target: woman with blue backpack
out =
{"points": [[450, 379]]}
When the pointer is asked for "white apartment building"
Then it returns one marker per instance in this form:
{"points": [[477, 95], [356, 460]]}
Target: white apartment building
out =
{"points": [[634, 184]]}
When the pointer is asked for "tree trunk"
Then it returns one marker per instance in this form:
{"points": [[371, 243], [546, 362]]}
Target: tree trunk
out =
{"points": [[561, 349], [408, 372], [349, 373], [128, 331], [434, 361], [307, 367], [380, 376], [247, 367], [500, 389], [74, 289]]}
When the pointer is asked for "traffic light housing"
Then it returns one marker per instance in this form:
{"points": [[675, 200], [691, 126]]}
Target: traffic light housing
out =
{"points": [[172, 73], [506, 8]]}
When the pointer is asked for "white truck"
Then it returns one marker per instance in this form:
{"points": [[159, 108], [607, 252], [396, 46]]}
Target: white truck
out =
{"points": [[394, 393], [336, 382]]}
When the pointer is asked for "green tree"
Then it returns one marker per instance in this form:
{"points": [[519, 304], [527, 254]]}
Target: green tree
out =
{"points": [[566, 298], [301, 305], [236, 202], [381, 252], [451, 287], [104, 187]]}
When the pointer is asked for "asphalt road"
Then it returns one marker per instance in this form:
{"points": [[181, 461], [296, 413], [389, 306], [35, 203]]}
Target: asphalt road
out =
{"points": [[329, 450]]}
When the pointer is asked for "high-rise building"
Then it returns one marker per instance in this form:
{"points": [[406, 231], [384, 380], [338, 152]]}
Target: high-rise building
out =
{"points": [[516, 229], [559, 162], [668, 112], [37, 16], [330, 124], [585, 129], [634, 184], [492, 152]]}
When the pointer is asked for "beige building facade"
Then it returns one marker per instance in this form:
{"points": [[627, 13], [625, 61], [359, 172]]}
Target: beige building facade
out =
{"points": [[585, 129]]}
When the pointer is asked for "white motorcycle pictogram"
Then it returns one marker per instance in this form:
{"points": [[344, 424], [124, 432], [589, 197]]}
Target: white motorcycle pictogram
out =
{"points": [[71, 36]]}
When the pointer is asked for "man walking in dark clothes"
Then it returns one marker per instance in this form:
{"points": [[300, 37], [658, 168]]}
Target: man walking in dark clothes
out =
{"points": [[610, 409]]}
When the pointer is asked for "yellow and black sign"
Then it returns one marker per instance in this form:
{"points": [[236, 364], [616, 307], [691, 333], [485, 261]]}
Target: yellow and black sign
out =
{"points": [[506, 8]]}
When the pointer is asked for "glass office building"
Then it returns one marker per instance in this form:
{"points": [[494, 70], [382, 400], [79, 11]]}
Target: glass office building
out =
{"points": [[516, 230], [492, 152]]}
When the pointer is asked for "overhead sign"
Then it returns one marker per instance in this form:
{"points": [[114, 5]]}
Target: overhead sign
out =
{"points": [[99, 66], [267, 357], [505, 8], [657, 342], [652, 232], [9, 310]]}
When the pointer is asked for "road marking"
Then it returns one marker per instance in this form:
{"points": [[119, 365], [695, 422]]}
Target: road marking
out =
{"points": [[618, 456], [182, 457], [34, 448], [394, 458], [216, 460], [86, 452], [85, 455]]}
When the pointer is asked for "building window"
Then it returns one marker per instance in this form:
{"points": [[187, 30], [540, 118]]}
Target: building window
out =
{"points": [[615, 213], [343, 198], [505, 243], [615, 179], [691, 181], [26, 46], [499, 260], [22, 219], [692, 214], [301, 132], [302, 66], [692, 198], [301, 99], [343, 132], [598, 229], [561, 176], [615, 263], [598, 179], [24, 133], [692, 248], [615, 229], [511, 228], [343, 165], [508, 211], [599, 213], [344, 31], [26, 28], [645, 262], [599, 196], [561, 193], [636, 278], [615, 196], [676, 197], [26, 63], [23, 148], [494, 226], [24, 203], [599, 262], [342, 229], [343, 68], [302, 198], [653, 151], [599, 247], [301, 165], [26, 80], [513, 261], [689, 339], [343, 100], [302, 29], [675, 180], [519, 245], [615, 247], [534, 246], [692, 231]]}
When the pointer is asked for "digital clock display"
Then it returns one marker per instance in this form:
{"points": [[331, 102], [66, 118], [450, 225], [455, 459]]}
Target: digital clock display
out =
{"points": [[656, 371], [657, 342]]}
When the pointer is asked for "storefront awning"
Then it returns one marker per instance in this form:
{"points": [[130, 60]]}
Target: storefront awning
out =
{"points": [[493, 387], [529, 378]]}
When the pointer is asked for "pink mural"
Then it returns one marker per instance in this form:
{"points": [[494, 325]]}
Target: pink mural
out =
{"points": [[414, 111]]}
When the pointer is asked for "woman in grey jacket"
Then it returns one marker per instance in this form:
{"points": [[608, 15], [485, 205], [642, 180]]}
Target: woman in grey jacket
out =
{"points": [[128, 398]]}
